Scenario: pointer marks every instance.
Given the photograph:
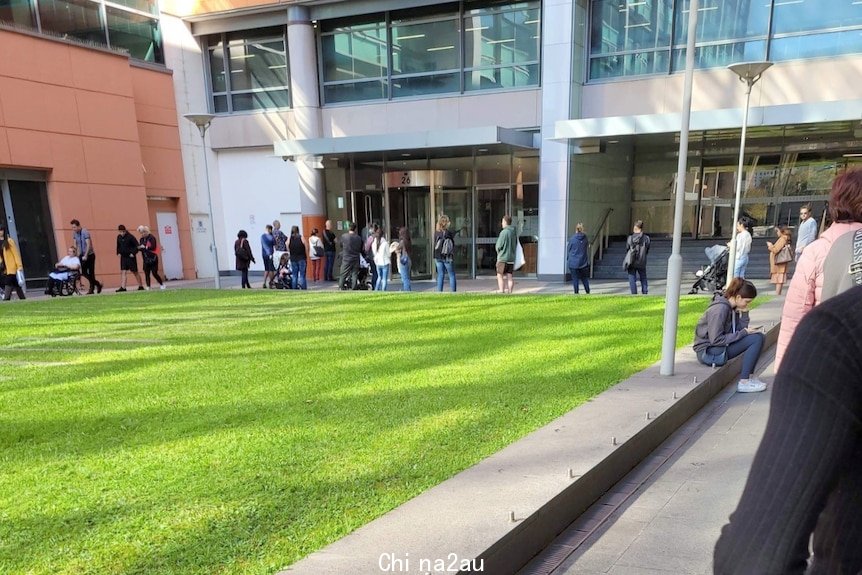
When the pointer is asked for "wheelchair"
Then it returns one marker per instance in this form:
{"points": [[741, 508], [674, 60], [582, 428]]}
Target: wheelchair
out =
{"points": [[70, 285]]}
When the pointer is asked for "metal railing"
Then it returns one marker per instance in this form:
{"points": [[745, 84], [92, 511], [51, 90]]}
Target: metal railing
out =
{"points": [[599, 240]]}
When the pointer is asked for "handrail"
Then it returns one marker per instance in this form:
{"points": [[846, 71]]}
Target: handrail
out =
{"points": [[602, 234]]}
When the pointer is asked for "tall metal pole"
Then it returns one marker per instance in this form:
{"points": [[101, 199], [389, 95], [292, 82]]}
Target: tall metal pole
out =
{"points": [[750, 73], [213, 246], [674, 263]]}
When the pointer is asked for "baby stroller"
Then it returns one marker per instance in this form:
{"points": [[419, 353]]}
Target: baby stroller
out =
{"points": [[363, 276], [713, 276], [283, 278]]}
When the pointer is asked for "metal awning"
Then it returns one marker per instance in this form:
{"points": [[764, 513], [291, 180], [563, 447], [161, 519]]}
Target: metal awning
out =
{"points": [[465, 137]]}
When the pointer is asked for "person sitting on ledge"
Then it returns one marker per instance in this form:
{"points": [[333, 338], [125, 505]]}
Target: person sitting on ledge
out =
{"points": [[722, 333]]}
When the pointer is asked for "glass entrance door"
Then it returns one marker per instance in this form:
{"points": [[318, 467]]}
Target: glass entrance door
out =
{"points": [[28, 221], [410, 207], [491, 205], [458, 205], [366, 209]]}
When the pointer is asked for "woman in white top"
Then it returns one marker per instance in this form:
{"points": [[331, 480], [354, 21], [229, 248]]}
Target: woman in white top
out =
{"points": [[382, 259], [743, 247], [316, 254]]}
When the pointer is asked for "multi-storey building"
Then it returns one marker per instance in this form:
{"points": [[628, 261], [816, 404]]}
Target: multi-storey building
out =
{"points": [[556, 111]]}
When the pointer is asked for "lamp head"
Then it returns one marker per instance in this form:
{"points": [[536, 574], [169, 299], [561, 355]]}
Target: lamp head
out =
{"points": [[749, 72], [202, 121]]}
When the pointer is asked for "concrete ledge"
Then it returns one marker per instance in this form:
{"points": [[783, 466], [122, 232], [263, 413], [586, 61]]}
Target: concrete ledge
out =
{"points": [[499, 513]]}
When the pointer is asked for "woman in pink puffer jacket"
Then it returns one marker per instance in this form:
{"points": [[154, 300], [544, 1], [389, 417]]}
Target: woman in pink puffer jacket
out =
{"points": [[845, 208]]}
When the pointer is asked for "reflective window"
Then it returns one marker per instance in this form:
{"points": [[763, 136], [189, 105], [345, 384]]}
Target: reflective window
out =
{"points": [[634, 64], [501, 48], [717, 55], [248, 71], [354, 52], [149, 6], [76, 18], [723, 20], [438, 49], [625, 34], [17, 12], [811, 15], [625, 25], [816, 45], [425, 47], [136, 33]]}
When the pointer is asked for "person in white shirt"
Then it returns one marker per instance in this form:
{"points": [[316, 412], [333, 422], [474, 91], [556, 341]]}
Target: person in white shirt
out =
{"points": [[63, 270], [382, 259], [807, 231], [743, 247]]}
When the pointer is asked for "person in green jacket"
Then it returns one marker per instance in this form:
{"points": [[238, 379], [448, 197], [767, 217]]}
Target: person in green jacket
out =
{"points": [[507, 242]]}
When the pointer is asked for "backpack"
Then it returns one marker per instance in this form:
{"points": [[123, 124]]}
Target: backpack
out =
{"points": [[632, 255], [444, 247], [842, 268]]}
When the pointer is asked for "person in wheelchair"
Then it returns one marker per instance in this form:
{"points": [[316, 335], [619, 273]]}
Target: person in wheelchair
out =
{"points": [[66, 269]]}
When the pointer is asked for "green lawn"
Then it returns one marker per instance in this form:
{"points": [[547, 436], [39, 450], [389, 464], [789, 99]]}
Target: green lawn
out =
{"points": [[198, 432]]}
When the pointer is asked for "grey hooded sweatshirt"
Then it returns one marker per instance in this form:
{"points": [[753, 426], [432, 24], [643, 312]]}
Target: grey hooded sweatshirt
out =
{"points": [[715, 326]]}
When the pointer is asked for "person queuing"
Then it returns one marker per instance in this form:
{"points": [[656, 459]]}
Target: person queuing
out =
{"points": [[779, 257], [84, 243], [444, 253], [635, 264], [506, 246], [298, 258], [127, 249], [806, 286], [577, 257], [148, 246], [328, 251], [315, 245], [403, 248], [743, 248], [267, 251], [351, 248], [10, 265], [807, 232], [382, 258], [244, 257]]}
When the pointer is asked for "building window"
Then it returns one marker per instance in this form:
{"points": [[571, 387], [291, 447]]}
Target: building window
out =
{"points": [[632, 38], [436, 50], [248, 71], [130, 25]]}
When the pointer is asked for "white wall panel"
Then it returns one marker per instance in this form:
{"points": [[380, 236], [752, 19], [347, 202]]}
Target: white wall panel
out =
{"points": [[256, 189]]}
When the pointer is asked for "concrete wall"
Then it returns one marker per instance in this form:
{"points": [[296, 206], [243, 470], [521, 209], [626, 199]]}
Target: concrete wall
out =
{"points": [[801, 81], [103, 131]]}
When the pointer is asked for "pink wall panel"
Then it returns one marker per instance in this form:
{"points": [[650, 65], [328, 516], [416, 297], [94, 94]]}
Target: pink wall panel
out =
{"points": [[164, 170], [29, 149], [113, 162], [25, 57], [97, 71], [67, 158], [5, 155], [36, 106], [69, 201], [107, 116]]}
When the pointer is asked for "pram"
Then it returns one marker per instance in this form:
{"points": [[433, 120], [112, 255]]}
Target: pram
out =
{"points": [[363, 276], [713, 276], [282, 279]]}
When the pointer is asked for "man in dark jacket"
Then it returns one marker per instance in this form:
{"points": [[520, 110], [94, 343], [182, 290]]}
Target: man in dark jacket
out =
{"points": [[351, 248], [637, 248], [577, 251], [127, 249], [328, 251]]}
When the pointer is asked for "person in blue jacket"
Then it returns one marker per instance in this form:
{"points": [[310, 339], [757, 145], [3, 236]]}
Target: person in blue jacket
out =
{"points": [[577, 251]]}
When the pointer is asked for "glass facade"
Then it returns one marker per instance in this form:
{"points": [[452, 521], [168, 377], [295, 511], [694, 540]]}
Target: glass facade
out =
{"points": [[248, 70], [130, 25], [633, 38], [437, 50]]}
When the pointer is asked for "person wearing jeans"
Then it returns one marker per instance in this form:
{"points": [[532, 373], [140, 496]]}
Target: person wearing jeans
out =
{"points": [[402, 250], [722, 333], [743, 248], [298, 258], [328, 251], [382, 256], [577, 257], [444, 253], [637, 249]]}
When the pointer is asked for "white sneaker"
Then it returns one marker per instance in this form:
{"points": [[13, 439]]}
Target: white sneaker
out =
{"points": [[751, 385], [162, 286]]}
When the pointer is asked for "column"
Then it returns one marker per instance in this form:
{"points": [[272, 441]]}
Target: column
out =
{"points": [[302, 52], [558, 18]]}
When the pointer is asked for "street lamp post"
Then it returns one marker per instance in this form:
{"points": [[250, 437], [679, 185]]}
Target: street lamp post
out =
{"points": [[203, 121], [674, 262], [749, 73]]}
